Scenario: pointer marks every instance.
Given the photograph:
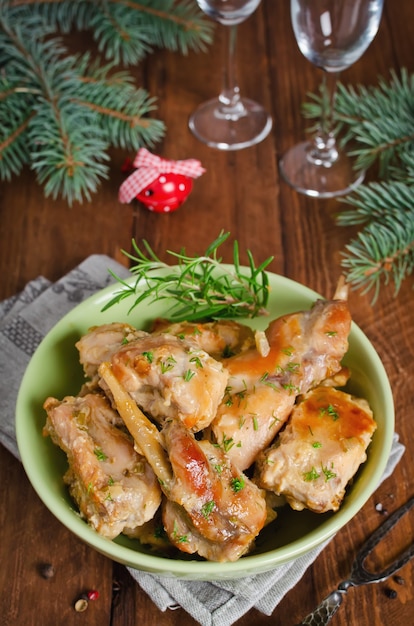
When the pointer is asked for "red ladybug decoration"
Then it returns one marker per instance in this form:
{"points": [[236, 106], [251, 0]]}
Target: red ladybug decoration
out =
{"points": [[166, 193], [159, 184]]}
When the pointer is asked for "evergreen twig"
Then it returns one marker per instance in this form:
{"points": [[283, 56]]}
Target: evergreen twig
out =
{"points": [[383, 250], [376, 126], [60, 112]]}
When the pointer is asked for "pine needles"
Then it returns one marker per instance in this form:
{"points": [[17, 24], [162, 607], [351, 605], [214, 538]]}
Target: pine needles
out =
{"points": [[380, 120], [376, 126], [60, 113], [384, 249]]}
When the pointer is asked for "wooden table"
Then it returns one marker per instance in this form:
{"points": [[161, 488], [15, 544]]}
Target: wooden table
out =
{"points": [[241, 192]]}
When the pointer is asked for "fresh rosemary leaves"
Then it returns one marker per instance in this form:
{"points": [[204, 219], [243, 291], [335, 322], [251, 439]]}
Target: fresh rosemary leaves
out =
{"points": [[199, 287]]}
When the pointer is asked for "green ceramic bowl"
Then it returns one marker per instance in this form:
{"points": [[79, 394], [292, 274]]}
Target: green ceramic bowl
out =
{"points": [[54, 370]]}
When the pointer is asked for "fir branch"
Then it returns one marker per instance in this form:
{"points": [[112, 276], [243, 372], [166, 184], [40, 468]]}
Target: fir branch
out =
{"points": [[382, 252], [376, 126], [375, 201], [376, 123], [127, 30], [15, 117], [62, 112], [69, 157], [379, 120], [123, 110], [67, 143]]}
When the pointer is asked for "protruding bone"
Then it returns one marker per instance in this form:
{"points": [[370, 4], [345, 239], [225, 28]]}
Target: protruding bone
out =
{"points": [[148, 439], [342, 289]]}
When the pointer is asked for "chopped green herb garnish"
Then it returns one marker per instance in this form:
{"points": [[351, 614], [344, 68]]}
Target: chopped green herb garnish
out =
{"points": [[274, 421], [149, 356], [291, 388], [311, 475], [167, 364], [292, 367], [178, 538], [100, 455], [330, 411], [207, 508], [264, 378], [242, 393], [188, 375], [196, 360], [227, 443], [273, 386], [328, 473], [237, 484]]}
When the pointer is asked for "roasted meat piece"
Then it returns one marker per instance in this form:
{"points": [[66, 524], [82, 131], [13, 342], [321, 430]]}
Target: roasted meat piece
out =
{"points": [[100, 343], [169, 377], [113, 486], [319, 451], [220, 338], [304, 348], [211, 508]]}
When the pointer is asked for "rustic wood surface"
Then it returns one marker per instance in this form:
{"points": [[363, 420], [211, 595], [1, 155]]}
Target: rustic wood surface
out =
{"points": [[241, 192]]}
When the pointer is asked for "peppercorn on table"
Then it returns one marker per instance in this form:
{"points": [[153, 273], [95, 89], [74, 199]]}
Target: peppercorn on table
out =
{"points": [[48, 576]]}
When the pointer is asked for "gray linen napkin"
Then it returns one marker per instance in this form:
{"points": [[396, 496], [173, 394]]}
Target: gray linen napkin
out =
{"points": [[24, 320]]}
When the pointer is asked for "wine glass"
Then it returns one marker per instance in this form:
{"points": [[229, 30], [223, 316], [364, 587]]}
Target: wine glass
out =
{"points": [[230, 122], [332, 34]]}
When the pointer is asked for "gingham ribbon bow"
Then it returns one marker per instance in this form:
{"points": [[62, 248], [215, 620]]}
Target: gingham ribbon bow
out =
{"points": [[149, 167]]}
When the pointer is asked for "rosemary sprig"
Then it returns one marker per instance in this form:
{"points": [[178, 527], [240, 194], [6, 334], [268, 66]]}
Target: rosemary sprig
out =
{"points": [[200, 287]]}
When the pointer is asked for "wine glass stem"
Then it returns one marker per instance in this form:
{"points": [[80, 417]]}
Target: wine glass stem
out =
{"points": [[231, 106], [324, 150]]}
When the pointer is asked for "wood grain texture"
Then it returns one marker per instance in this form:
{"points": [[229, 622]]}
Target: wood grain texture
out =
{"points": [[241, 192]]}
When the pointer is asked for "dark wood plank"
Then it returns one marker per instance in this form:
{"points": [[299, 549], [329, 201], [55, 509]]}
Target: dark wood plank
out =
{"points": [[240, 192]]}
